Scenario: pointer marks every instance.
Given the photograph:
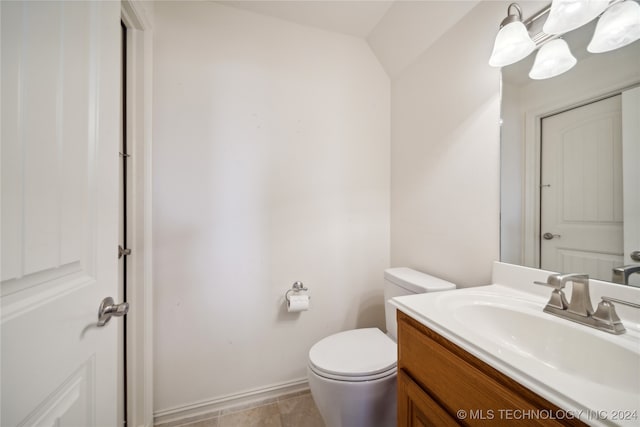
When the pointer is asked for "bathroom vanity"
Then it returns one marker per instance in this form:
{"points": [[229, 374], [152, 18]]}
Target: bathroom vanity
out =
{"points": [[490, 354], [440, 384]]}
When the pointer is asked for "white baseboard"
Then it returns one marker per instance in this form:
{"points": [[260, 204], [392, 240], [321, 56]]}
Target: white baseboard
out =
{"points": [[214, 407]]}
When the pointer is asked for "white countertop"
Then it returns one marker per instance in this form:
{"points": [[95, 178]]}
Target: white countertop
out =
{"points": [[540, 351]]}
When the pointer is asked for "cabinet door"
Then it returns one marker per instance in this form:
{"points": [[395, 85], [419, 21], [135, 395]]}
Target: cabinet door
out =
{"points": [[417, 409]]}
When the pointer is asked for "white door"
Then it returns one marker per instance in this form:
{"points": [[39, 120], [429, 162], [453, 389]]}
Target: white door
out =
{"points": [[60, 114], [581, 190], [631, 177]]}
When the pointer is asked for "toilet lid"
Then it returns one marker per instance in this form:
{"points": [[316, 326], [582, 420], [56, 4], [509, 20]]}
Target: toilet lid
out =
{"points": [[355, 353]]}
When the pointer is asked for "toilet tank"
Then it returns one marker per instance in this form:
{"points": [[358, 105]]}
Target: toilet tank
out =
{"points": [[405, 281]]}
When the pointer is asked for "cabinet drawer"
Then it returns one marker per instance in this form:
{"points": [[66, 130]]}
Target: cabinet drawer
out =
{"points": [[457, 381], [417, 409]]}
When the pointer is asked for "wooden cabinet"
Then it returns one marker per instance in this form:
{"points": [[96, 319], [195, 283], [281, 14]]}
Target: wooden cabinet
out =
{"points": [[440, 384], [416, 408]]}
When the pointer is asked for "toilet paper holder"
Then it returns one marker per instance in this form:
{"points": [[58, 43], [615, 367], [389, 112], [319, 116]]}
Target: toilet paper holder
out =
{"points": [[295, 288]]}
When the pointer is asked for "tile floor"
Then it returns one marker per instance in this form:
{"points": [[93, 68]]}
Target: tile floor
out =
{"points": [[296, 411]]}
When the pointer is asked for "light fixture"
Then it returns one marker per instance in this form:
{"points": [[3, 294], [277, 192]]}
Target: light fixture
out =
{"points": [[567, 15], [553, 58], [617, 27], [512, 42]]}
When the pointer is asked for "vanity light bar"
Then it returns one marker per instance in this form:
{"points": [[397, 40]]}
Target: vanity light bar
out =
{"points": [[554, 56], [534, 27]]}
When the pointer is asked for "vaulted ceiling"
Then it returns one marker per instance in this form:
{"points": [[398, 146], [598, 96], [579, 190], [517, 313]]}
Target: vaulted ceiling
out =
{"points": [[397, 31]]}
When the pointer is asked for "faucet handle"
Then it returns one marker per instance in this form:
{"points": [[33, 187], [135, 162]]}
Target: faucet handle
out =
{"points": [[620, 301], [554, 281], [556, 286], [606, 313], [559, 280], [558, 299]]}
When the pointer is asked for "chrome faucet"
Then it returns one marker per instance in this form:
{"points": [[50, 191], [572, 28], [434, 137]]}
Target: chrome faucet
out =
{"points": [[580, 303], [579, 309], [580, 299], [621, 274]]}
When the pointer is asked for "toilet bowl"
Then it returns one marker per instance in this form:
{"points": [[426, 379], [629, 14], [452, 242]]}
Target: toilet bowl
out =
{"points": [[352, 374], [352, 377]]}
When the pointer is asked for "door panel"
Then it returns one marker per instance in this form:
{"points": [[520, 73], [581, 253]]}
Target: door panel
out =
{"points": [[581, 192], [60, 112]]}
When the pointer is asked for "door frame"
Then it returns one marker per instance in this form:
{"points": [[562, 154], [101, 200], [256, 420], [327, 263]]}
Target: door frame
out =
{"points": [[139, 381], [532, 145]]}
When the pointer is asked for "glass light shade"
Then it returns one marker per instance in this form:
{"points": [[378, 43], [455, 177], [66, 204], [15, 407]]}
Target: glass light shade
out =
{"points": [[553, 58], [567, 15], [617, 27], [512, 44]]}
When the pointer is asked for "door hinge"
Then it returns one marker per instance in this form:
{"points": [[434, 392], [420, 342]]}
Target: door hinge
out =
{"points": [[122, 251], [124, 154]]}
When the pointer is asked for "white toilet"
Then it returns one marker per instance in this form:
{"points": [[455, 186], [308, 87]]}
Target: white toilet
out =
{"points": [[352, 374]]}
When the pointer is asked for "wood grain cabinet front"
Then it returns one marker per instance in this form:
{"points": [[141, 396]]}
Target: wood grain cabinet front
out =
{"points": [[416, 408], [440, 384]]}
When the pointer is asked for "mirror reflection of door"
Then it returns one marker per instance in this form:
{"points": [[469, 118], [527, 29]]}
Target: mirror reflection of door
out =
{"points": [[631, 178], [581, 200]]}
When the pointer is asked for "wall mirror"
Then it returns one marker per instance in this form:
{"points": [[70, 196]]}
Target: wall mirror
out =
{"points": [[570, 163]]}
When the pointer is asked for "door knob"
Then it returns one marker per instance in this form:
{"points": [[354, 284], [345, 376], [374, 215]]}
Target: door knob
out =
{"points": [[635, 255], [549, 236], [108, 308]]}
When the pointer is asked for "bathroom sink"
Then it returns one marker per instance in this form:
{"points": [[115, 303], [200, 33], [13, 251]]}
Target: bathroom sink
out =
{"points": [[524, 329], [576, 367]]}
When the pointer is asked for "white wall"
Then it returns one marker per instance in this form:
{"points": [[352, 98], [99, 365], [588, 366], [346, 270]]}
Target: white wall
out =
{"points": [[445, 154], [271, 165]]}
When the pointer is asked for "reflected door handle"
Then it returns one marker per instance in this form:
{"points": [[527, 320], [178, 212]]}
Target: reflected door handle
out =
{"points": [[635, 255], [108, 309], [549, 236]]}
